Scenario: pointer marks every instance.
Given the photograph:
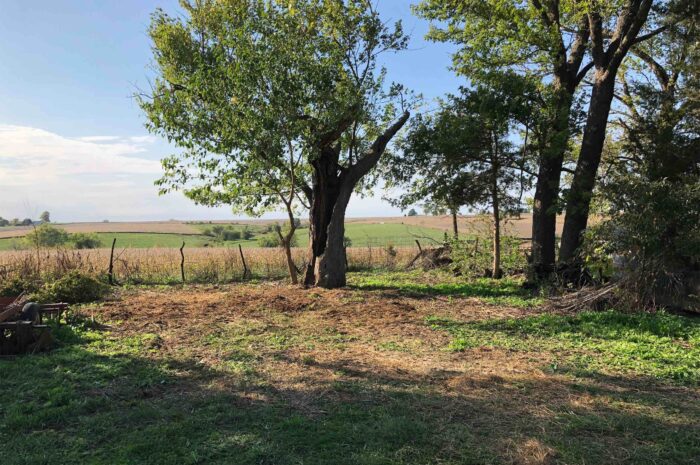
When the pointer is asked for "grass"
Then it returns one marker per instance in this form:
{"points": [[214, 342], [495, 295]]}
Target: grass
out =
{"points": [[506, 291], [361, 235], [264, 374], [660, 345]]}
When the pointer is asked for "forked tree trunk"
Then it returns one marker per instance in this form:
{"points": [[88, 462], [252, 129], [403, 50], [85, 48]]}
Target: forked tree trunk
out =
{"points": [[332, 188], [607, 56]]}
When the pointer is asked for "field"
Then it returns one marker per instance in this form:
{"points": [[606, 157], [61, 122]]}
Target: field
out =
{"points": [[519, 227], [361, 234], [398, 368]]}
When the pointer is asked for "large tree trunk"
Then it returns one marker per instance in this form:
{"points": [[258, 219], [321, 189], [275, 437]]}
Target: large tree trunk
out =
{"points": [[332, 188], [544, 212], [579, 200], [325, 191], [607, 62], [332, 265]]}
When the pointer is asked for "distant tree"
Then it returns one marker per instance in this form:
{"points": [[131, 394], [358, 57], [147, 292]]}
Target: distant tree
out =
{"points": [[4, 222], [85, 241], [46, 236], [276, 100], [412, 212], [26, 222], [45, 217]]}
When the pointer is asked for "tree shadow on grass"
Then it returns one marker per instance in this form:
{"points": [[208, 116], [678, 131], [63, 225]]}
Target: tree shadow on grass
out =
{"points": [[139, 405]]}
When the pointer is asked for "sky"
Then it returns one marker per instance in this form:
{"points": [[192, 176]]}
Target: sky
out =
{"points": [[73, 141]]}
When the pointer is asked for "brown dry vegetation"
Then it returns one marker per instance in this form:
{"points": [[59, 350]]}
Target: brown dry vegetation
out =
{"points": [[518, 227], [201, 264]]}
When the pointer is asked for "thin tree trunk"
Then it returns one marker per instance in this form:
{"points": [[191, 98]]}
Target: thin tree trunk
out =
{"points": [[495, 200], [455, 228]]}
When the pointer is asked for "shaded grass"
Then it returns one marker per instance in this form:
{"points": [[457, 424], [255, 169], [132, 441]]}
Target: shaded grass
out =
{"points": [[214, 398], [658, 345]]}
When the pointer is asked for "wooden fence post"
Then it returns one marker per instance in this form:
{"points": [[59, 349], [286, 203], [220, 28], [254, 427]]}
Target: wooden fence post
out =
{"points": [[246, 272], [182, 262], [111, 263]]}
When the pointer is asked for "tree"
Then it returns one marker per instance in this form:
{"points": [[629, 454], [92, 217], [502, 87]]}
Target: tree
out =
{"points": [[429, 147], [243, 85], [4, 222], [412, 212], [85, 241], [543, 40], [463, 155], [650, 187], [46, 236], [608, 50], [45, 217]]}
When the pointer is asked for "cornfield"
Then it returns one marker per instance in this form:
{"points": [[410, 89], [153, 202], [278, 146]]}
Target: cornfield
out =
{"points": [[201, 265]]}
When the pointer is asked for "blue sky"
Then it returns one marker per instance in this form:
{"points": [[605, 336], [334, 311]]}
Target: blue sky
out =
{"points": [[72, 141]]}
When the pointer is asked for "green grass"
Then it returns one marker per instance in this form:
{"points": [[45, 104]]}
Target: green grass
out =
{"points": [[506, 291], [361, 235], [109, 398], [660, 345]]}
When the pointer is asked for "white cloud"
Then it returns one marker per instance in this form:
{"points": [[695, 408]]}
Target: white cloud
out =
{"points": [[98, 138], [29, 155], [46, 170], [93, 178]]}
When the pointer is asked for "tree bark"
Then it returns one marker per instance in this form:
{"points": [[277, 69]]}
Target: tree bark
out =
{"points": [[579, 200], [455, 228], [544, 212], [495, 201], [332, 188], [607, 62], [567, 76]]}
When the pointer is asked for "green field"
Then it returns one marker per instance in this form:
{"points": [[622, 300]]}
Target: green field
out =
{"points": [[361, 235]]}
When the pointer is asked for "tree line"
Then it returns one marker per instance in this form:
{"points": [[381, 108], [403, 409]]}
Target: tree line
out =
{"points": [[286, 104]]}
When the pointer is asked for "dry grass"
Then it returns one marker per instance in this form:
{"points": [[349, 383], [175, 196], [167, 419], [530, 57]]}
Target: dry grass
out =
{"points": [[201, 264]]}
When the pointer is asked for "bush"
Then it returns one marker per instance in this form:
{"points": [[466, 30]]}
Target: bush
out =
{"points": [[273, 240], [73, 288], [46, 236], [85, 241], [15, 286], [231, 235], [474, 257]]}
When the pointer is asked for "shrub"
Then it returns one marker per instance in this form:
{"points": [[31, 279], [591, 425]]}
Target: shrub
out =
{"points": [[231, 235], [474, 257], [269, 241], [13, 287], [85, 241], [73, 288], [47, 236]]}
